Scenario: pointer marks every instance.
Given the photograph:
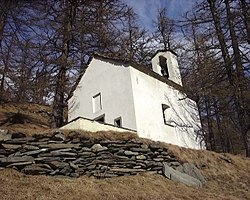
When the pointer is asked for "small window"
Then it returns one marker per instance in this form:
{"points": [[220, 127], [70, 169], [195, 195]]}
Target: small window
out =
{"points": [[97, 103], [164, 67], [166, 112], [100, 119], [118, 122]]}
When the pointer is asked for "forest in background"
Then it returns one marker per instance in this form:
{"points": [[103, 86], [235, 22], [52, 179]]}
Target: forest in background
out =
{"points": [[45, 46]]}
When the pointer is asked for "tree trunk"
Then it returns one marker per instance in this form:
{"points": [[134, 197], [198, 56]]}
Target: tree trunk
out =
{"points": [[59, 104]]}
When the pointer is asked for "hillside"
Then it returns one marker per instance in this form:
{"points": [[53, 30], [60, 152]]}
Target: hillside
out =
{"points": [[228, 176]]}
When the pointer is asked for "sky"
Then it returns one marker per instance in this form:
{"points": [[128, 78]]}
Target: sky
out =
{"points": [[147, 9]]}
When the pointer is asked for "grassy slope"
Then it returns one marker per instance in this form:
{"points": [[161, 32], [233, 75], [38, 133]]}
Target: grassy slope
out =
{"points": [[225, 180]]}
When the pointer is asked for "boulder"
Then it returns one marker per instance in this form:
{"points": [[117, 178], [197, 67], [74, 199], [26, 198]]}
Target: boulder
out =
{"points": [[191, 170], [175, 175]]}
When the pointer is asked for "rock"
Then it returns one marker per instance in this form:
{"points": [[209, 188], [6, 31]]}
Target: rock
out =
{"points": [[36, 169], [154, 147], [130, 153], [19, 164], [174, 163], [35, 152], [175, 175], [126, 170], [58, 136], [6, 152], [140, 150], [57, 164], [59, 146], [90, 167], [136, 141], [86, 154], [74, 175], [226, 158], [98, 147], [153, 163], [73, 166], [144, 146], [191, 170], [4, 135], [141, 157], [66, 170], [30, 147], [22, 141], [11, 146], [85, 149], [47, 159], [158, 159], [13, 159], [18, 135], [63, 153]]}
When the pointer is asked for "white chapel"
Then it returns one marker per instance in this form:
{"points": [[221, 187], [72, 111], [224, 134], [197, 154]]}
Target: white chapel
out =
{"points": [[131, 97]]}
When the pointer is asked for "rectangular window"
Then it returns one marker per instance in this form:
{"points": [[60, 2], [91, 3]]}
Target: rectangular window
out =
{"points": [[97, 103], [118, 122]]}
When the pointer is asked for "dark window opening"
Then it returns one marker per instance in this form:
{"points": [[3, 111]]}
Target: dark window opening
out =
{"points": [[164, 67], [118, 122], [100, 119], [165, 113]]}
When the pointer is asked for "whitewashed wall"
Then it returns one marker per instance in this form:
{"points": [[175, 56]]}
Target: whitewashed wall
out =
{"points": [[149, 95], [114, 84]]}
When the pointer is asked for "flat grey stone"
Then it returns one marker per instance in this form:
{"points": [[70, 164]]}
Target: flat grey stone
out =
{"points": [[13, 159], [35, 152], [98, 147], [11, 146], [174, 163], [36, 169], [130, 153], [58, 164], [126, 170], [141, 157], [86, 154], [30, 147], [19, 164], [175, 175], [59, 146], [140, 150]]}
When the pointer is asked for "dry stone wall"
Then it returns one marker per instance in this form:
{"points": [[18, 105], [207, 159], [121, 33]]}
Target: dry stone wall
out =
{"points": [[57, 155]]}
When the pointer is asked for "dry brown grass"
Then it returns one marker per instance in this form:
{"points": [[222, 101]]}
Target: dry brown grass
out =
{"points": [[33, 120], [228, 176]]}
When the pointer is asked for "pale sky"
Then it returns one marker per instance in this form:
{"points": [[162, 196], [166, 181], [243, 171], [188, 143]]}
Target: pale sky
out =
{"points": [[147, 9]]}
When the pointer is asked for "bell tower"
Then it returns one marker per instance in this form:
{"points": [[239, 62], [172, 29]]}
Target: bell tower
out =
{"points": [[165, 64]]}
